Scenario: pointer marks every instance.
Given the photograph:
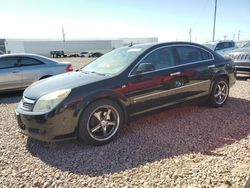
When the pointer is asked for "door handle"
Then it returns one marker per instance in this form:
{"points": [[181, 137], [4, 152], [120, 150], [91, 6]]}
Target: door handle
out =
{"points": [[16, 71], [211, 66], [175, 73]]}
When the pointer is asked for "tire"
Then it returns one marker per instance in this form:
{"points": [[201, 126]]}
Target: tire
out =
{"points": [[100, 122], [219, 94]]}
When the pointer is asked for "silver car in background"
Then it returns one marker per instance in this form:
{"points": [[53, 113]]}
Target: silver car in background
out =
{"points": [[18, 71], [241, 57], [222, 47]]}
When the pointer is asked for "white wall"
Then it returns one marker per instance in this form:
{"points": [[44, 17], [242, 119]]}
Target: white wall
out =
{"points": [[43, 47], [127, 41], [14, 46]]}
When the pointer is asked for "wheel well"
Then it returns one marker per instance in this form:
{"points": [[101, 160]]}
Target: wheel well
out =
{"points": [[219, 76], [224, 76], [125, 115]]}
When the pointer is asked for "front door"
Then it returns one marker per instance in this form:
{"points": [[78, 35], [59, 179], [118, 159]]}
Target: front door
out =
{"points": [[10, 74]]}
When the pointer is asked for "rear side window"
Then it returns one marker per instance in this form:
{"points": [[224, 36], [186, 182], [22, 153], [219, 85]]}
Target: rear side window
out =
{"points": [[8, 63], [227, 45], [189, 54], [25, 61]]}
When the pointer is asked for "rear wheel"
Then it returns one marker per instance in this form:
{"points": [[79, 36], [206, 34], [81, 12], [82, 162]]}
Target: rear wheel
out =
{"points": [[100, 122], [219, 93]]}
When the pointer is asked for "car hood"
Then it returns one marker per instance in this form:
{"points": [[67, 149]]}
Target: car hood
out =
{"points": [[243, 50], [61, 81]]}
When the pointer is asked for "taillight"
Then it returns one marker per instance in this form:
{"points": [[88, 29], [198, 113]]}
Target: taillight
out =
{"points": [[69, 68]]}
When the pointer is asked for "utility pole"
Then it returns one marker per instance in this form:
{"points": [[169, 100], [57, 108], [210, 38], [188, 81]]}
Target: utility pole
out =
{"points": [[239, 35], [233, 36], [225, 37], [63, 35], [215, 10], [190, 34]]}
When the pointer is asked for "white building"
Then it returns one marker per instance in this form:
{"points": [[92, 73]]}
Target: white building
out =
{"points": [[43, 47]]}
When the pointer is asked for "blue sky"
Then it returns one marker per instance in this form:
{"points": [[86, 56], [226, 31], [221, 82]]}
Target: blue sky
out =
{"points": [[166, 19]]}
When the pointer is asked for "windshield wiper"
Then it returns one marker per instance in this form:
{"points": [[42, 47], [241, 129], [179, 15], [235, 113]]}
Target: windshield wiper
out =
{"points": [[85, 71], [102, 74]]}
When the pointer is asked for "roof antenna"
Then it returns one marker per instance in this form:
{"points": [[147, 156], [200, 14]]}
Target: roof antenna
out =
{"points": [[131, 44]]}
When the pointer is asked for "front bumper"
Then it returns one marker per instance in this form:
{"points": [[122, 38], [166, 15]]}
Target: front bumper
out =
{"points": [[243, 70], [52, 126]]}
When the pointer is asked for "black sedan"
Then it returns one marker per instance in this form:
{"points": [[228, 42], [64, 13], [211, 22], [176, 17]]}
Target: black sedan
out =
{"points": [[95, 102], [95, 54]]}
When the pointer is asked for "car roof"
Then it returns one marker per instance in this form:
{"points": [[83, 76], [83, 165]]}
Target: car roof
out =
{"points": [[148, 45], [219, 41], [35, 56]]}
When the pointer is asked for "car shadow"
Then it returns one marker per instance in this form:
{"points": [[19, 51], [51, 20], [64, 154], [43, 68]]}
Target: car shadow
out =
{"points": [[11, 97], [157, 136]]}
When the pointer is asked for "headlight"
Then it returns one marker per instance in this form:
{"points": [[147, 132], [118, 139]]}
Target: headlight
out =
{"points": [[51, 100]]}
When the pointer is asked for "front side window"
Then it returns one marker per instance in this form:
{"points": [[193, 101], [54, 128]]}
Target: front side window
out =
{"points": [[159, 59], [9, 62], [219, 46], [189, 54], [25, 61]]}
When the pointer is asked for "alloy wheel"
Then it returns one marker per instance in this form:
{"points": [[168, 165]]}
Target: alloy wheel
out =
{"points": [[103, 122], [221, 92]]}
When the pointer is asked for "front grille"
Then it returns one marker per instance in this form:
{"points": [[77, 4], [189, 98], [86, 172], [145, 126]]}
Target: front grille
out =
{"points": [[241, 56], [27, 104]]}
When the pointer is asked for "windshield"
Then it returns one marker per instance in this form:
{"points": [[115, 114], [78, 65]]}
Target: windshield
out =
{"points": [[114, 62], [208, 45]]}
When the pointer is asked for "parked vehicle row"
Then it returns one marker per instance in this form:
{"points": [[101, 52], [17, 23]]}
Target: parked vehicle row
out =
{"points": [[95, 102], [18, 71], [61, 53]]}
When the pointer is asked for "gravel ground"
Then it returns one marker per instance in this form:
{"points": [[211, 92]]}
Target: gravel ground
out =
{"points": [[77, 62], [187, 146]]}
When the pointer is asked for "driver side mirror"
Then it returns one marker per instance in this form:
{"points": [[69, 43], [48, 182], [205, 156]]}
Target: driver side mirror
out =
{"points": [[145, 67]]}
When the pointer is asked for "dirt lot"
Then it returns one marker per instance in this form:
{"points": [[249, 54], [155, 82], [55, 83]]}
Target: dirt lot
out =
{"points": [[191, 145], [77, 62]]}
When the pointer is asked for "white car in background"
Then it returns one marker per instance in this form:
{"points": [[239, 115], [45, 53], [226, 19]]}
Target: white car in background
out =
{"points": [[221, 47]]}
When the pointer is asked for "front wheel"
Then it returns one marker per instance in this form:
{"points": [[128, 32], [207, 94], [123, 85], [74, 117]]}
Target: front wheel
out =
{"points": [[100, 122], [219, 93]]}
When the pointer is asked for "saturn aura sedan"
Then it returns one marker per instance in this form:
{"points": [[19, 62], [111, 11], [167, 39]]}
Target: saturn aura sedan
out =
{"points": [[96, 101], [18, 71]]}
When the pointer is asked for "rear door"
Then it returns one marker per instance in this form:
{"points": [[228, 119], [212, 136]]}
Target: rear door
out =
{"points": [[196, 66], [31, 70], [10, 74]]}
